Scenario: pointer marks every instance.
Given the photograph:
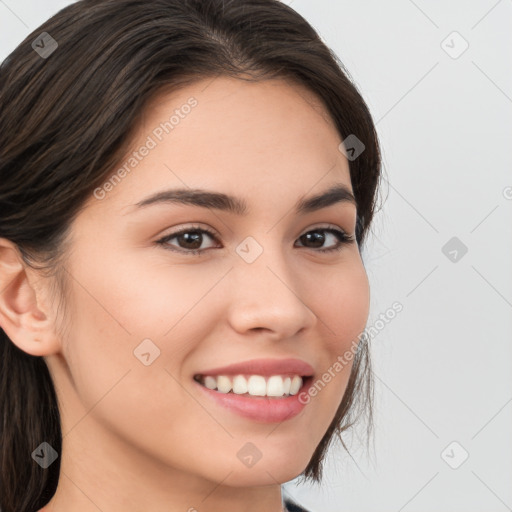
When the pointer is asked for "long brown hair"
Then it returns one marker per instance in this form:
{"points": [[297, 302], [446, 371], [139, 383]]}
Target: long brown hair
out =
{"points": [[68, 116]]}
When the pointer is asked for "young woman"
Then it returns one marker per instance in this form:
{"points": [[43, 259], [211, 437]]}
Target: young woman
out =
{"points": [[185, 189]]}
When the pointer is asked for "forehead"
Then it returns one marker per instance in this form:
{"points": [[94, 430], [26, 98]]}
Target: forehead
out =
{"points": [[271, 137]]}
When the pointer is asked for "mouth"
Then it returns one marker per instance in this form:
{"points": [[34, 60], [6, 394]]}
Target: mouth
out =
{"points": [[272, 386]]}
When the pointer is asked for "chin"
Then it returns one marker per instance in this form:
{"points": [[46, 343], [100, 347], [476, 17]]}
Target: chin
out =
{"points": [[267, 472]]}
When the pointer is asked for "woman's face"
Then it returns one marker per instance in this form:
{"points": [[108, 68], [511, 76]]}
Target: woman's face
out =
{"points": [[146, 316]]}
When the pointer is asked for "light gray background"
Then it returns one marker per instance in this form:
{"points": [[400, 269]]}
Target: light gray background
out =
{"points": [[443, 365]]}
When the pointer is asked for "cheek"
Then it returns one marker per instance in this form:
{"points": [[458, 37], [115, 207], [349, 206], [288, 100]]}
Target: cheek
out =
{"points": [[155, 296], [135, 402], [119, 304], [143, 298], [341, 302]]}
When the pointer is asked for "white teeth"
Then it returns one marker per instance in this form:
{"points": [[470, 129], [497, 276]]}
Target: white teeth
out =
{"points": [[295, 385], [254, 385], [287, 383], [275, 386], [210, 382], [239, 385], [223, 384]]}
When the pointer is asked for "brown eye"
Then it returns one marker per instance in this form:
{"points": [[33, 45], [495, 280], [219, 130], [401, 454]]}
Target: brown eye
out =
{"points": [[318, 238], [189, 240]]}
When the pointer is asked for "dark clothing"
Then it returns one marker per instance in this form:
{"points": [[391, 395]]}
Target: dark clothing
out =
{"points": [[293, 507]]}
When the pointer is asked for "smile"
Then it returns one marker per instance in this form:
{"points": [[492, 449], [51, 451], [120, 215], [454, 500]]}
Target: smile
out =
{"points": [[275, 386]]}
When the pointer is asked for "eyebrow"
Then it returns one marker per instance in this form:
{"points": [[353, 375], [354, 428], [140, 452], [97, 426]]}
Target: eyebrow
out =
{"points": [[338, 193]]}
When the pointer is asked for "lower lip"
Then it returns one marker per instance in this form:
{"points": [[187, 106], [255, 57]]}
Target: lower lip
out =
{"points": [[262, 409]]}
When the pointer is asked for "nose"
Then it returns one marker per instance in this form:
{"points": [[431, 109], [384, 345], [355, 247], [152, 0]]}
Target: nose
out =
{"points": [[266, 296]]}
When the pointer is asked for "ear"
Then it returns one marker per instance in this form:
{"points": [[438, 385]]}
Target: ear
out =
{"points": [[28, 325]]}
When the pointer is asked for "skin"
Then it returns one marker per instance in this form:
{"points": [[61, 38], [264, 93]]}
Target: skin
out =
{"points": [[142, 437]]}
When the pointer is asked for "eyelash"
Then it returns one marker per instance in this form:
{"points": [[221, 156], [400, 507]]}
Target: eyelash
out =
{"points": [[344, 239]]}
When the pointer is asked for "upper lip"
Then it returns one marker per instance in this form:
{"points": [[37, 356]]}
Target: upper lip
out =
{"points": [[262, 367]]}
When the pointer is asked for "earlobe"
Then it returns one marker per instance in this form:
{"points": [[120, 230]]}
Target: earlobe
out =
{"points": [[27, 325]]}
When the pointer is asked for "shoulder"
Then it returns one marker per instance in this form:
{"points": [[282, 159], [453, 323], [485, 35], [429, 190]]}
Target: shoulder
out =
{"points": [[293, 507]]}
